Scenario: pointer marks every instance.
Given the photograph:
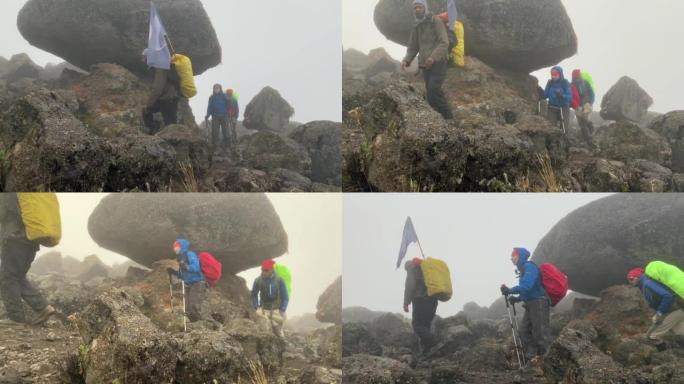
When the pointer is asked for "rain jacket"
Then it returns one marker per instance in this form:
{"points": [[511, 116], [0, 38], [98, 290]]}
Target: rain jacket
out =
{"points": [[164, 86], [584, 91], [193, 272], [560, 86], [657, 295], [218, 104], [428, 39], [530, 283], [272, 291]]}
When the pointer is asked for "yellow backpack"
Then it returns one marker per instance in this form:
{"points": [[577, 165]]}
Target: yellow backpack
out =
{"points": [[458, 52], [40, 214], [437, 278], [187, 80]]}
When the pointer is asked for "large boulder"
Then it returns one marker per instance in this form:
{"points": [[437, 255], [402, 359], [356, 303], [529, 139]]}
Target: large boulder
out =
{"points": [[268, 111], [49, 148], [192, 148], [322, 140], [268, 151], [87, 32], [627, 141], [519, 35], [18, 67], [671, 126], [141, 163], [597, 244], [240, 230], [625, 100], [329, 307]]}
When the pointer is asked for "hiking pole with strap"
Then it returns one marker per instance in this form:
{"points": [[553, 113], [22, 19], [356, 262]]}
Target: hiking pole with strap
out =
{"points": [[185, 325], [518, 347], [562, 119], [517, 331], [171, 292]]}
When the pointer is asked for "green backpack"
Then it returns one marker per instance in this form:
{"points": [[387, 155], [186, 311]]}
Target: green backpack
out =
{"points": [[284, 273], [586, 76], [668, 275]]}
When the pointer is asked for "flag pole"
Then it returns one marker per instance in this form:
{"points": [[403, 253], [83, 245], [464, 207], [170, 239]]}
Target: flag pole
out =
{"points": [[170, 44], [419, 246]]}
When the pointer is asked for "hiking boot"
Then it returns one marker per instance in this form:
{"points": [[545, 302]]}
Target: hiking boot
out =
{"points": [[11, 323], [44, 315]]}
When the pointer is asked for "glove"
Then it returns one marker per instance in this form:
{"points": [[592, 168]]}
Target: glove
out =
{"points": [[183, 265], [657, 318], [514, 299], [505, 290]]}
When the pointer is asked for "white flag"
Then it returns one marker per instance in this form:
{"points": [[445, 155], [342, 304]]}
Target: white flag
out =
{"points": [[157, 52]]}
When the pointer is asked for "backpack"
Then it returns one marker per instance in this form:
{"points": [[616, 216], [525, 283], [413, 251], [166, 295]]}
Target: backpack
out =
{"points": [[437, 278], [554, 281], [668, 275], [211, 268], [41, 218], [284, 273], [586, 76], [183, 67]]}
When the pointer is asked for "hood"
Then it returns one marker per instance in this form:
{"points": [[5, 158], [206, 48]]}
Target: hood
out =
{"points": [[220, 89], [560, 70], [524, 255], [427, 14], [184, 245]]}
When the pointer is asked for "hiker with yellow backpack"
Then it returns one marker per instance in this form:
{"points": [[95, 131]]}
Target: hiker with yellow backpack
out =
{"points": [[662, 286], [27, 221], [270, 297]]}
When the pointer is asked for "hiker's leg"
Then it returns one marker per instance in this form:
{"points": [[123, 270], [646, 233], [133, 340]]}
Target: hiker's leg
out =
{"points": [[233, 130], [215, 127], [15, 261], [435, 94], [195, 297], [29, 293], [224, 131], [553, 115], [525, 335], [672, 320], [422, 320], [148, 118], [545, 341], [566, 117], [169, 110]]}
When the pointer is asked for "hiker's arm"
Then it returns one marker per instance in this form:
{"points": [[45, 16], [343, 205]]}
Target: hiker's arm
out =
{"points": [[284, 298], [158, 85], [528, 279], [666, 297], [547, 91], [412, 47], [592, 96], [209, 109], [568, 95], [440, 51], [193, 263], [410, 286], [255, 294]]}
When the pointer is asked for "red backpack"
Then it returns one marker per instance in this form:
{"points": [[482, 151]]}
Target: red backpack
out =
{"points": [[554, 281], [211, 268]]}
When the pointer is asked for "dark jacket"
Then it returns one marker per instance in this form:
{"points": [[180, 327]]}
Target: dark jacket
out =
{"points": [[658, 296], [560, 87], [11, 224], [529, 285], [586, 94], [415, 283], [272, 291], [428, 39], [218, 105], [165, 86]]}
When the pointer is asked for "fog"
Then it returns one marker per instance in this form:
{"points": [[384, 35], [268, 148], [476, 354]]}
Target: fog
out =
{"points": [[616, 38], [473, 233], [313, 223], [291, 45]]}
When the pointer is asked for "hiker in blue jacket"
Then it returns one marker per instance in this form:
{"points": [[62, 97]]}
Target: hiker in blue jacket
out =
{"points": [[559, 93], [669, 315], [535, 331], [217, 108], [269, 293], [190, 271]]}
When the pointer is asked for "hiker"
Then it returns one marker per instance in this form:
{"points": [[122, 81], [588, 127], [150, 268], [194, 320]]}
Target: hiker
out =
{"points": [[583, 100], [535, 332], [218, 110], [191, 273], [669, 315], [429, 40], [269, 293], [163, 98], [233, 114], [559, 93], [424, 306], [16, 255]]}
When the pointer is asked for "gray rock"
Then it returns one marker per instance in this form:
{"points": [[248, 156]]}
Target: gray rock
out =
{"points": [[625, 100], [90, 32], [268, 111], [377, 370], [268, 151], [329, 307], [322, 140], [625, 141], [671, 126], [141, 163]]}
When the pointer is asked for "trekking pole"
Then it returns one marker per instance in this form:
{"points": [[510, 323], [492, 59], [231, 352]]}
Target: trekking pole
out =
{"points": [[539, 108], [171, 292], [517, 331], [185, 326], [562, 119], [513, 332]]}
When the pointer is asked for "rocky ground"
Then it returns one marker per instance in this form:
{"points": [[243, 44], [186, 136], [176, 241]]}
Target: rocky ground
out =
{"points": [[80, 128], [499, 139], [124, 330], [595, 341]]}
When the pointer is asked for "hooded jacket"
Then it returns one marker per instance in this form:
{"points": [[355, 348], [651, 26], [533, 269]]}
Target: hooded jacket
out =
{"points": [[218, 104], [429, 38], [529, 285], [272, 291], [192, 273], [584, 91], [558, 87], [415, 283], [657, 295]]}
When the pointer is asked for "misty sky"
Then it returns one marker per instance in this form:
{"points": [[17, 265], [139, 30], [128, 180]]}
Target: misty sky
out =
{"points": [[312, 221], [616, 38], [473, 233], [290, 45]]}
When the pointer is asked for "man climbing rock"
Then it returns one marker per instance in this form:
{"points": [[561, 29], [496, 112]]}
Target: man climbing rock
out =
{"points": [[424, 306], [218, 110], [429, 40], [583, 100], [559, 93], [535, 331], [269, 296], [669, 315], [191, 273], [163, 98], [16, 255]]}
